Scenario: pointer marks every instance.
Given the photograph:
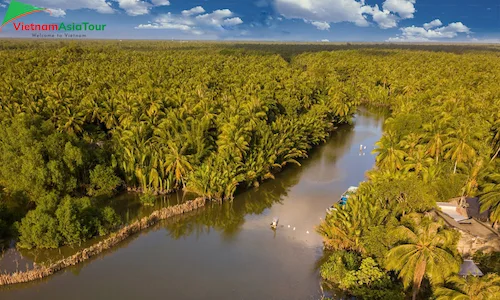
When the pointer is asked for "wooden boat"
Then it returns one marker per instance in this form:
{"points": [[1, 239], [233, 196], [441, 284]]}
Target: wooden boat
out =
{"points": [[343, 198]]}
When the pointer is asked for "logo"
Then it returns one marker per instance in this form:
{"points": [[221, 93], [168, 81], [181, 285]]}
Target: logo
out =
{"points": [[18, 10]]}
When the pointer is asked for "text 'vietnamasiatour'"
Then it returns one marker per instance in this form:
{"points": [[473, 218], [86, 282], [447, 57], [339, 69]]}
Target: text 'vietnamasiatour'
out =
{"points": [[21, 26]]}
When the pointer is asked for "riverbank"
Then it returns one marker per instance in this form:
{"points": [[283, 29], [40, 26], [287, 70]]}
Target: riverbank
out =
{"points": [[114, 239], [224, 243]]}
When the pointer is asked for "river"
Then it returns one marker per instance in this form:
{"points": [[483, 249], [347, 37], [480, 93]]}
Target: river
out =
{"points": [[229, 251]]}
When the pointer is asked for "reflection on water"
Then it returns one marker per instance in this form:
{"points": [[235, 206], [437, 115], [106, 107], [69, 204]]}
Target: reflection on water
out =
{"points": [[127, 205], [226, 251]]}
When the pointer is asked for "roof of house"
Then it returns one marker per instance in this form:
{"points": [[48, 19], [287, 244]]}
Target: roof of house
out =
{"points": [[468, 267], [474, 209], [451, 210]]}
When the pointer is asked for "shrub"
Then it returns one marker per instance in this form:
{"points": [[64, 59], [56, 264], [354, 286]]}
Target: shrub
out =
{"points": [[147, 199], [103, 181], [69, 217], [109, 221], [39, 229], [362, 278], [75, 220]]}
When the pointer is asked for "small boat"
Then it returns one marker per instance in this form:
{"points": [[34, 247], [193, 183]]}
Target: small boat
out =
{"points": [[274, 224], [343, 198]]}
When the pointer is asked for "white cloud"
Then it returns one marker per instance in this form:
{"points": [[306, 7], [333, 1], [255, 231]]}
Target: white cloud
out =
{"points": [[433, 24], [233, 21], [320, 25], [330, 11], [421, 34], [140, 7], [194, 21], [193, 11], [404, 8], [131, 7], [384, 18], [325, 41], [57, 12], [161, 2], [135, 7], [217, 18], [354, 11], [100, 6]]}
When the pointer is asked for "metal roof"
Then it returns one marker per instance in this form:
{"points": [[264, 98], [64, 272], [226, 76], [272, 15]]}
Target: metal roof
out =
{"points": [[469, 268]]}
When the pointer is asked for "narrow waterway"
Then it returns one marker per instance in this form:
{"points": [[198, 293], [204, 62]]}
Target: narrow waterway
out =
{"points": [[229, 251]]}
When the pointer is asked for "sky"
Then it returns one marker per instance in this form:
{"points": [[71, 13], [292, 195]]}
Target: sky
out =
{"points": [[276, 20]]}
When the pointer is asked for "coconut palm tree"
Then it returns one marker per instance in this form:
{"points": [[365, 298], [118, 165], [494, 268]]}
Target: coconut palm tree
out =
{"points": [[410, 142], [418, 162], [470, 288], [495, 139], [423, 252], [343, 228], [459, 146], [389, 154], [436, 136], [177, 163], [490, 197]]}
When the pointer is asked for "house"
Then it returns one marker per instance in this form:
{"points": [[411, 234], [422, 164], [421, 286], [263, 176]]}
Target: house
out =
{"points": [[468, 267], [463, 208]]}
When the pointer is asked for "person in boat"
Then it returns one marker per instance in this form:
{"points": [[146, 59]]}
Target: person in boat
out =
{"points": [[274, 224]]}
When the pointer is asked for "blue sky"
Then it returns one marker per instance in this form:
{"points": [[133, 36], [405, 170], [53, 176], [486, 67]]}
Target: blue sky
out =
{"points": [[286, 20]]}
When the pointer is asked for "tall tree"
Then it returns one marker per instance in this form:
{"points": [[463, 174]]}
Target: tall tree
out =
{"points": [[389, 153], [459, 146], [470, 288], [177, 163], [490, 197], [423, 252]]}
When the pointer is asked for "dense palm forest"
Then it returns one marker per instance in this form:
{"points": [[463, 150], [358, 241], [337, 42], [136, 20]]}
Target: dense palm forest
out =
{"points": [[442, 141], [83, 121]]}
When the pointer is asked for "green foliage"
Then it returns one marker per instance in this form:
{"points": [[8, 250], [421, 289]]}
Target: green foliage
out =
{"points": [[426, 249], [148, 199], [39, 229], [377, 241], [372, 282], [361, 277], [37, 160], [103, 181], [402, 195], [109, 220], [69, 217], [338, 265], [490, 197], [344, 228], [488, 262], [74, 221], [470, 288], [180, 120], [210, 121], [450, 187]]}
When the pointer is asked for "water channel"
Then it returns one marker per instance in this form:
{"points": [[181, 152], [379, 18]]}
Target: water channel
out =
{"points": [[228, 251]]}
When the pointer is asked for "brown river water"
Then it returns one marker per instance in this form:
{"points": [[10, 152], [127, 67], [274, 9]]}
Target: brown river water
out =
{"points": [[221, 251]]}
